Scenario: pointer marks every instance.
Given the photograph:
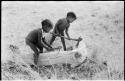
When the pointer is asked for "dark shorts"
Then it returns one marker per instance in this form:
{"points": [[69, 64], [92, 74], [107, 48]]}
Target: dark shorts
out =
{"points": [[57, 31]]}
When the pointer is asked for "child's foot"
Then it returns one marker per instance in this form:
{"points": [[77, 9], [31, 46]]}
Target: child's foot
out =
{"points": [[34, 67]]}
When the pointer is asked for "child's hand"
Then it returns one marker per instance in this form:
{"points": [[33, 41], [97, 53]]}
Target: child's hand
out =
{"points": [[51, 49], [79, 39], [58, 48], [69, 38]]}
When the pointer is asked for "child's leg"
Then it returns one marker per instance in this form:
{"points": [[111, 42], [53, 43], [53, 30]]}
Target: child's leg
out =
{"points": [[53, 36], [63, 42], [34, 48], [52, 39]]}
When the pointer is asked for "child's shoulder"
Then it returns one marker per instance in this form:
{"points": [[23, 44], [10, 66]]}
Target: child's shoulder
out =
{"points": [[62, 20], [38, 30]]}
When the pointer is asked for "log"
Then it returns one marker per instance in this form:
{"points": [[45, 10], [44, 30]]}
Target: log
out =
{"points": [[73, 57]]}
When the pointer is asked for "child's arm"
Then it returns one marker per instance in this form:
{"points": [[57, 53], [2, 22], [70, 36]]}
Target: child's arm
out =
{"points": [[66, 31], [41, 42], [46, 43], [59, 47]]}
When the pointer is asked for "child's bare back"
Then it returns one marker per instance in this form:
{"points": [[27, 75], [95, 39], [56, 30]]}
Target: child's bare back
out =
{"points": [[63, 25]]}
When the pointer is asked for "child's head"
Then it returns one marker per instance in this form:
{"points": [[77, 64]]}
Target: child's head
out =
{"points": [[71, 16], [46, 25]]}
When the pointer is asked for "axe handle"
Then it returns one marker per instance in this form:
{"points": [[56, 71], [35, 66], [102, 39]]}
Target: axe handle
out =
{"points": [[77, 44]]}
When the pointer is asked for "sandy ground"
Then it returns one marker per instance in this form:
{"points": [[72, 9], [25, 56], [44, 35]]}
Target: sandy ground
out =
{"points": [[101, 25]]}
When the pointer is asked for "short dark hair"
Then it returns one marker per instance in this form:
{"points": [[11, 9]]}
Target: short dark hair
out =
{"points": [[71, 14], [47, 22]]}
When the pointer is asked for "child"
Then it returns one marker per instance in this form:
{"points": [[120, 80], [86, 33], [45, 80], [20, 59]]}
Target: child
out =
{"points": [[34, 39], [63, 25]]}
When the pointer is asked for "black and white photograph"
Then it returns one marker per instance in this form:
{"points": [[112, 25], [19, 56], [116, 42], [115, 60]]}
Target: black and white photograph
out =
{"points": [[62, 40]]}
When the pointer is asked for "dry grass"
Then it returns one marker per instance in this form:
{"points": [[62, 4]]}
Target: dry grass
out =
{"points": [[90, 69]]}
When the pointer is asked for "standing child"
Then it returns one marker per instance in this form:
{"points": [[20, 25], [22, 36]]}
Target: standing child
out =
{"points": [[34, 39], [63, 25]]}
